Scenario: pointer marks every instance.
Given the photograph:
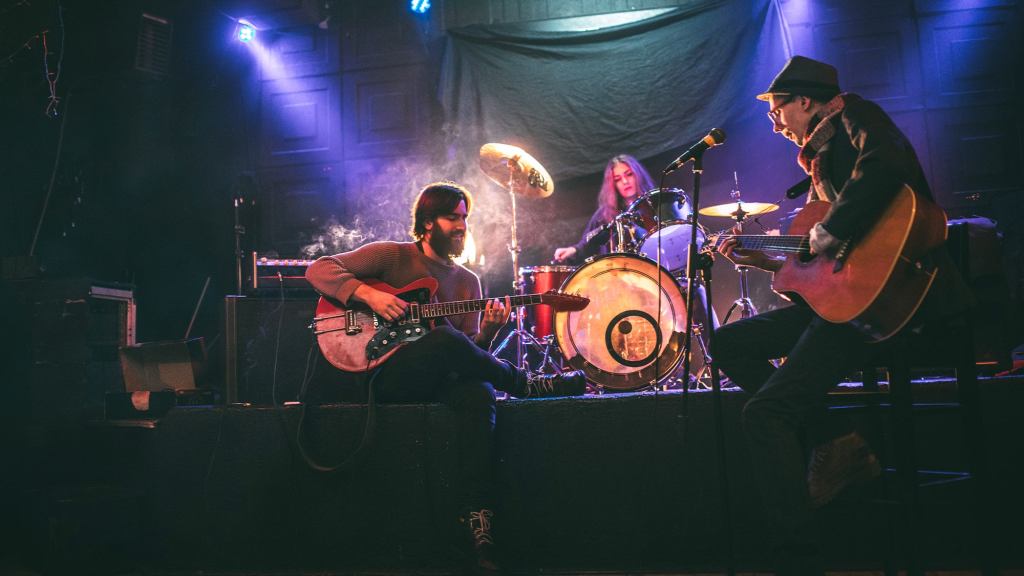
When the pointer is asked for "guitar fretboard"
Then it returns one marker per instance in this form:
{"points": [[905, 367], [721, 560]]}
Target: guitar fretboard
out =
{"points": [[468, 306], [789, 244]]}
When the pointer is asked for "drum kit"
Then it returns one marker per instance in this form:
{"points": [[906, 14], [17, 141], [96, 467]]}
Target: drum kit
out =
{"points": [[632, 334]]}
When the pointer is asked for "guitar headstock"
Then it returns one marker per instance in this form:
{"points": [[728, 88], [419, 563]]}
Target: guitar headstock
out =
{"points": [[563, 301]]}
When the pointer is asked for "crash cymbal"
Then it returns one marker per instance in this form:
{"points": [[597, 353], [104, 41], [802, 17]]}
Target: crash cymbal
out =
{"points": [[739, 209], [529, 178]]}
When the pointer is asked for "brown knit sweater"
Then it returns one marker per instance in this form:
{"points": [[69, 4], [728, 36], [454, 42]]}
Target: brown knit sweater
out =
{"points": [[397, 264]]}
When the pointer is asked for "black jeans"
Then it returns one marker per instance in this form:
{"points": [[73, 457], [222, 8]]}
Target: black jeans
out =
{"points": [[446, 366], [788, 405]]}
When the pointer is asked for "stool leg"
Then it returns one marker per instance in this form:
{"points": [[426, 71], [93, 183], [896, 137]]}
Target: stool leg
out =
{"points": [[869, 381], [904, 444]]}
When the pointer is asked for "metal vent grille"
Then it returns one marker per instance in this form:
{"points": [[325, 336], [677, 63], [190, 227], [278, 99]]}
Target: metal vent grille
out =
{"points": [[153, 51]]}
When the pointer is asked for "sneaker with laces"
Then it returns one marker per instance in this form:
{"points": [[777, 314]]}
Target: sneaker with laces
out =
{"points": [[478, 525], [539, 385], [835, 465]]}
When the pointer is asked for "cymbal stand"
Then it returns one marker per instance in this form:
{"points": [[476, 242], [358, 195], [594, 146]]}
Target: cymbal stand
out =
{"points": [[698, 380], [522, 336], [744, 303]]}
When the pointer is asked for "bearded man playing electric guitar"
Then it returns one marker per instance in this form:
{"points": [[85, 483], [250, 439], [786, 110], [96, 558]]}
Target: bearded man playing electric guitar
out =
{"points": [[861, 164], [450, 363]]}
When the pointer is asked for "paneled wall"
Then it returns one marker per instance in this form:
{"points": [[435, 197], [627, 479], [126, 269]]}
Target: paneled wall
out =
{"points": [[950, 77], [342, 89]]}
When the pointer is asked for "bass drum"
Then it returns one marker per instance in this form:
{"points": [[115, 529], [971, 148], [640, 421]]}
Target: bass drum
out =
{"points": [[620, 340]]}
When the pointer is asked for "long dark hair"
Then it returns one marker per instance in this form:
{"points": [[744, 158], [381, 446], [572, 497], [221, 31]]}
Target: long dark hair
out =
{"points": [[609, 202], [434, 200]]}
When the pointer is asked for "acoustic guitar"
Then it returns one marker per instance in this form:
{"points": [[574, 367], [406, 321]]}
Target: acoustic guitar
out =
{"points": [[876, 283]]}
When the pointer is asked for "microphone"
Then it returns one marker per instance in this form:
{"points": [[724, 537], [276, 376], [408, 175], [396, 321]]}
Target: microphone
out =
{"points": [[799, 189], [714, 138]]}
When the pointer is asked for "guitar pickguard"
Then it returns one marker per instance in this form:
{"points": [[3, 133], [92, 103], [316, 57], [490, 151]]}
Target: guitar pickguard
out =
{"points": [[388, 335]]}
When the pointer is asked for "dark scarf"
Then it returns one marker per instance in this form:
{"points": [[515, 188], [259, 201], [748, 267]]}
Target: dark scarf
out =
{"points": [[813, 155]]}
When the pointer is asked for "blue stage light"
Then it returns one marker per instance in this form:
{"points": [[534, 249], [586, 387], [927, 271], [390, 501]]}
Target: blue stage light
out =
{"points": [[246, 31], [419, 6]]}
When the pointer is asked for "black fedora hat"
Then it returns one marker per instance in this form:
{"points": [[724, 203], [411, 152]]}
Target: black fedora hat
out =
{"points": [[807, 77]]}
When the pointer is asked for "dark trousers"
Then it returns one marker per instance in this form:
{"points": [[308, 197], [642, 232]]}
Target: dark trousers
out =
{"points": [[446, 366], [788, 405]]}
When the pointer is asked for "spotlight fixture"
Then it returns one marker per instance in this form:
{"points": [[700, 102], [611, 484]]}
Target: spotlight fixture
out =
{"points": [[246, 32], [419, 6]]}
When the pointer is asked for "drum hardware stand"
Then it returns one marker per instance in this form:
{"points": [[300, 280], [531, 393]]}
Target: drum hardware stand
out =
{"points": [[509, 166], [697, 383], [517, 285], [522, 336], [745, 304], [542, 346], [694, 261], [622, 244]]}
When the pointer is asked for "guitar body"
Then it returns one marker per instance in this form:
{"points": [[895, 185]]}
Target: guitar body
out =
{"points": [[883, 279], [344, 334]]}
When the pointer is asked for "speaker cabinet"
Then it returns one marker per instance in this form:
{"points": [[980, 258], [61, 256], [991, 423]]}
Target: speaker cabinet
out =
{"points": [[977, 249], [268, 342]]}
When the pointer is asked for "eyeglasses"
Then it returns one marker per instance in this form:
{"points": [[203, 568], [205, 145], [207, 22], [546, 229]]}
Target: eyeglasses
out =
{"points": [[774, 113]]}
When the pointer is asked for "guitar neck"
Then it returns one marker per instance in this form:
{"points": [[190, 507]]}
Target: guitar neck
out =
{"points": [[788, 244], [469, 306]]}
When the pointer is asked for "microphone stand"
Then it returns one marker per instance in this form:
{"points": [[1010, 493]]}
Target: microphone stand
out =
{"points": [[704, 262], [239, 230]]}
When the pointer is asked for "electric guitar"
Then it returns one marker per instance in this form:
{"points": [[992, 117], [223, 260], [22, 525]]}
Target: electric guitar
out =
{"points": [[355, 339], [876, 283]]}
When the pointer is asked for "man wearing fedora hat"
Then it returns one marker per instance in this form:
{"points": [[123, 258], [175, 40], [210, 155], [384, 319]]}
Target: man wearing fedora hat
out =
{"points": [[858, 160]]}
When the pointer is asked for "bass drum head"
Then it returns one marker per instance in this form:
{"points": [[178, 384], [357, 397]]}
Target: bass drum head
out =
{"points": [[619, 338]]}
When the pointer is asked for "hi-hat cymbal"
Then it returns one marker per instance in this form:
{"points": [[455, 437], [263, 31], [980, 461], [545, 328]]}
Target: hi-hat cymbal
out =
{"points": [[503, 161], [736, 210]]}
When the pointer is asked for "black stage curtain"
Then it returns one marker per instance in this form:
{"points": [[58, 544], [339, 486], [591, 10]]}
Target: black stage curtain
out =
{"points": [[574, 94]]}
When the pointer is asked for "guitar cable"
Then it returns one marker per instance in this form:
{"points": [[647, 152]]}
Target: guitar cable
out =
{"points": [[369, 427], [277, 339]]}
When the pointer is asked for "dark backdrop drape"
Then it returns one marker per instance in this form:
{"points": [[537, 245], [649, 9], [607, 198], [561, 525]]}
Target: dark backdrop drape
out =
{"points": [[573, 99]]}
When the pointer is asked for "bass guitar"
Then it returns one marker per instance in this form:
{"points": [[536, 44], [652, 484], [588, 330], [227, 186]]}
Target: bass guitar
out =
{"points": [[876, 283], [355, 339]]}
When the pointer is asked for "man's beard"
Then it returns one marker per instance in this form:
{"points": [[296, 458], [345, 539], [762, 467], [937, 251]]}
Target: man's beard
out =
{"points": [[449, 246]]}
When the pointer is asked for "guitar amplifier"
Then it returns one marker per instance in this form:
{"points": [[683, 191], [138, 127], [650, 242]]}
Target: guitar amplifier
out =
{"points": [[270, 273], [977, 249], [267, 343]]}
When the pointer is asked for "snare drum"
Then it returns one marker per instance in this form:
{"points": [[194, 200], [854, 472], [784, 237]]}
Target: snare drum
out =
{"points": [[621, 341], [538, 279]]}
